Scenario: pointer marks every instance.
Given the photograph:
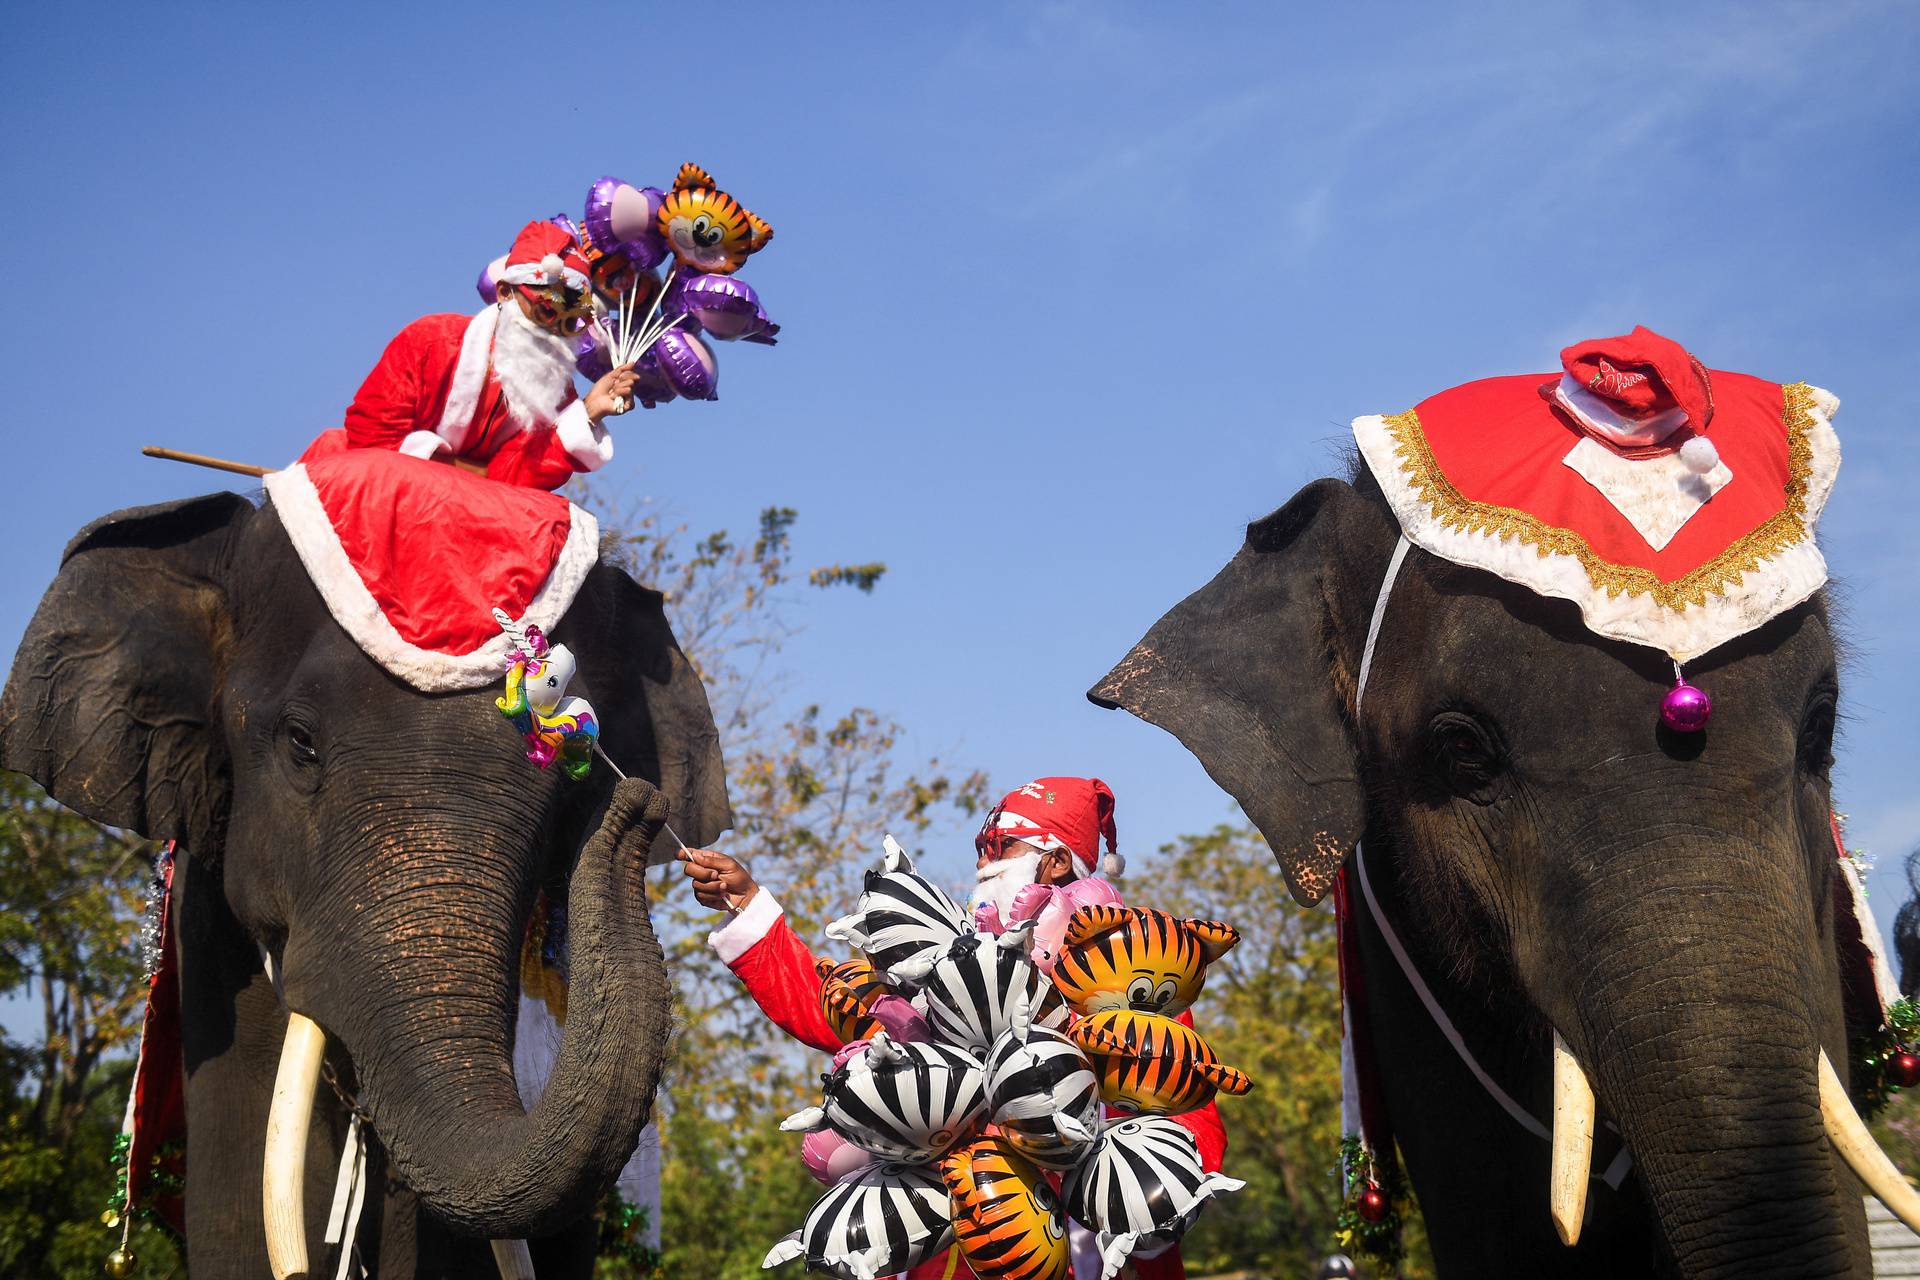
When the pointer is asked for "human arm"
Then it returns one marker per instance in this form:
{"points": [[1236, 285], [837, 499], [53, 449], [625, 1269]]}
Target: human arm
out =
{"points": [[387, 410], [761, 948]]}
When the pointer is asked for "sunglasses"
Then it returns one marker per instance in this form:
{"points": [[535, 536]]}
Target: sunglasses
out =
{"points": [[559, 308]]}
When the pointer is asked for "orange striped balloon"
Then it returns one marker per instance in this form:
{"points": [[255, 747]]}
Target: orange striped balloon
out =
{"points": [[706, 228], [1134, 958], [847, 993], [1006, 1219], [1148, 1062]]}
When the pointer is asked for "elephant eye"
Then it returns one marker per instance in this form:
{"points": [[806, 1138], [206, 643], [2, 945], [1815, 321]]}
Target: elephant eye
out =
{"points": [[1815, 749], [300, 742], [1465, 754]]}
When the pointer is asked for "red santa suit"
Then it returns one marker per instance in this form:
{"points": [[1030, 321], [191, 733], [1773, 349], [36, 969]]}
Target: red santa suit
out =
{"points": [[436, 393], [779, 972]]}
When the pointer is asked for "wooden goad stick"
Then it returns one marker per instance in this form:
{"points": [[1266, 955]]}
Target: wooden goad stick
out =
{"points": [[202, 460]]}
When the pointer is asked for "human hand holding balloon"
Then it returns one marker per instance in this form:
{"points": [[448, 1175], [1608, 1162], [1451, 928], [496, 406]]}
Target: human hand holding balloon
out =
{"points": [[719, 882]]}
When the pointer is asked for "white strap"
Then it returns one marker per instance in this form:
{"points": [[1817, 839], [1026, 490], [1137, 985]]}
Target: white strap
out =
{"points": [[349, 1197], [1617, 1170]]}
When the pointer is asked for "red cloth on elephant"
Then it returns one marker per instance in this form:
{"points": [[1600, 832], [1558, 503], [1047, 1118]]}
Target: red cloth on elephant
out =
{"points": [[778, 970], [434, 393]]}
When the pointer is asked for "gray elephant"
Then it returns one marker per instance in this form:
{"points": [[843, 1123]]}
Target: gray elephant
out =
{"points": [[383, 849], [1557, 868]]}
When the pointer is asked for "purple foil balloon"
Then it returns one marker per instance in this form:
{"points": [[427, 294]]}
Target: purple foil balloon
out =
{"points": [[591, 356], [689, 364], [620, 218], [651, 385], [1686, 708], [726, 307]]}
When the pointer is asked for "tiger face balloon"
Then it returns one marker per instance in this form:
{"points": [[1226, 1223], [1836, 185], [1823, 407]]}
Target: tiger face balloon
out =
{"points": [[706, 229], [1133, 958], [1007, 1221], [847, 993], [1151, 1063]]}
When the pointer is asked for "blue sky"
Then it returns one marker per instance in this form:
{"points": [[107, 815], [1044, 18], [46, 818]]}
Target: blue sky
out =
{"points": [[1070, 291]]}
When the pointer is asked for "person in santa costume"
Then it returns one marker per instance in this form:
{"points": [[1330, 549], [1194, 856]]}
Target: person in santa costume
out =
{"points": [[1047, 832], [494, 391]]}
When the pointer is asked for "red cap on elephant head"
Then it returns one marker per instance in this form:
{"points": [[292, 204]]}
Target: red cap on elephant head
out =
{"points": [[1057, 813], [544, 255], [1635, 391]]}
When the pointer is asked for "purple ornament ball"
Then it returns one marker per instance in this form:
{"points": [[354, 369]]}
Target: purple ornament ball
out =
{"points": [[1686, 708]]}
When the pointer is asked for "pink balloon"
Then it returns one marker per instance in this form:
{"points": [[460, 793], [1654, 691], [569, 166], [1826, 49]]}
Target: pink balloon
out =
{"points": [[1051, 906], [830, 1157]]}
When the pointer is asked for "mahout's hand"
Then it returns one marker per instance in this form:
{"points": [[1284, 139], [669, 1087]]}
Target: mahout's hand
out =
{"points": [[719, 882]]}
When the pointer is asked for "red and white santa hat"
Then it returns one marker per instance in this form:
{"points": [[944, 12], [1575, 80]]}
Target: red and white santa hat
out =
{"points": [[1642, 394], [1057, 813], [544, 255]]}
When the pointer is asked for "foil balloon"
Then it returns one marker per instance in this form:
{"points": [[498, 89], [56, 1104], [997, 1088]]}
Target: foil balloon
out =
{"points": [[900, 914], [910, 1102], [488, 285], [705, 228], [847, 992], [977, 986], [1152, 1063], [688, 364], [1140, 1189], [725, 307], [1007, 1222], [1043, 1094], [536, 704], [1050, 907], [884, 1219], [622, 218], [830, 1158], [1134, 958]]}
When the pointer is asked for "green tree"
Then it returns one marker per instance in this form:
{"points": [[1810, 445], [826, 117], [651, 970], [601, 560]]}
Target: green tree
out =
{"points": [[71, 892]]}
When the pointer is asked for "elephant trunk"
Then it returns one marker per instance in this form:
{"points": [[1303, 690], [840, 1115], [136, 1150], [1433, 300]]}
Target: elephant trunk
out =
{"points": [[432, 1035], [1694, 1019]]}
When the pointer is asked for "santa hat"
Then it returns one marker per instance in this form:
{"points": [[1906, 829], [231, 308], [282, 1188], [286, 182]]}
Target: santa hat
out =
{"points": [[1057, 813], [1636, 391], [544, 255]]}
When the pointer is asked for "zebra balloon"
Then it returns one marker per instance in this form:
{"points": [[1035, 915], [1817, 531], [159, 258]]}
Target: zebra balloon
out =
{"points": [[1141, 1188], [905, 1102], [882, 1220], [901, 915]]}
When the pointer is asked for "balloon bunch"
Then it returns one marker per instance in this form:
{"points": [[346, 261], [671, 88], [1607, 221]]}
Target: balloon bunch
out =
{"points": [[702, 236], [1004, 1075], [536, 701]]}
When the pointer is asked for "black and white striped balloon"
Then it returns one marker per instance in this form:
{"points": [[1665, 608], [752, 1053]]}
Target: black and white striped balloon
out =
{"points": [[885, 1219], [1044, 1095], [1141, 1186], [901, 914], [978, 986], [910, 1102]]}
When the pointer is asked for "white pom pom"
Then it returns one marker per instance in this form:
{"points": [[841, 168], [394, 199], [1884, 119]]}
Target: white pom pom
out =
{"points": [[1699, 455], [553, 266], [1113, 866]]}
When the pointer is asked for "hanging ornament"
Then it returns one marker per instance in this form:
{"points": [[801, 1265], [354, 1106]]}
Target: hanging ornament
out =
{"points": [[1903, 1068], [1686, 707], [1370, 1220], [1372, 1205], [120, 1264]]}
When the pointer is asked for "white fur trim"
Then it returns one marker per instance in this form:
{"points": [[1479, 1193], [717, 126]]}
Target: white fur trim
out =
{"points": [[359, 614], [739, 934], [1657, 495], [1597, 415], [1768, 589], [586, 441], [550, 270], [1883, 983], [469, 376], [424, 445]]}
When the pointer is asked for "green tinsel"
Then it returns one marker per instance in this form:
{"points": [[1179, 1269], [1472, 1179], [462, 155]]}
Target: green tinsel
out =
{"points": [[1873, 1087], [1358, 1170], [623, 1235]]}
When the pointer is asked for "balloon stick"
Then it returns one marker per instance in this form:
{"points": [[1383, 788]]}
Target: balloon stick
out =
{"points": [[620, 774], [202, 460]]}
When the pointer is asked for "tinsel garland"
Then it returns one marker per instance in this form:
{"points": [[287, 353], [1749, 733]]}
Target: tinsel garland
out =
{"points": [[1873, 1084], [164, 1181], [623, 1235], [150, 940], [1359, 1172]]}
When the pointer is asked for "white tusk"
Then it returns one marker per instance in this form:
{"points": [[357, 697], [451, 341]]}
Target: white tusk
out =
{"points": [[1572, 1143], [512, 1258], [1848, 1133], [284, 1175]]}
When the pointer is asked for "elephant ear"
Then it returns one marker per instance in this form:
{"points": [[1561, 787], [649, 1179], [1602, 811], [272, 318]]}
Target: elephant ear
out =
{"points": [[110, 705], [655, 720], [1254, 674]]}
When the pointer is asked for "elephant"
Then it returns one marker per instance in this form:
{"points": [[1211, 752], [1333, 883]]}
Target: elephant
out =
{"points": [[1555, 864], [367, 856]]}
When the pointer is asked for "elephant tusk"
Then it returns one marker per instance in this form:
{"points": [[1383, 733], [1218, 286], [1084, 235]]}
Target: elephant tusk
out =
{"points": [[1848, 1133], [513, 1259], [284, 1174], [1572, 1143]]}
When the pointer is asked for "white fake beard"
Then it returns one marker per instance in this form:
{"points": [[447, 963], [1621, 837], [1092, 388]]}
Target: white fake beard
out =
{"points": [[999, 881], [535, 367]]}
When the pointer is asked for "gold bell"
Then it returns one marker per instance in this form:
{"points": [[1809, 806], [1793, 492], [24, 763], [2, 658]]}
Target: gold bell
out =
{"points": [[120, 1264], [111, 1218]]}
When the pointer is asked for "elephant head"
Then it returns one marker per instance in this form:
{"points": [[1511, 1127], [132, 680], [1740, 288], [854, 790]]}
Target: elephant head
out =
{"points": [[1553, 862], [381, 846]]}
